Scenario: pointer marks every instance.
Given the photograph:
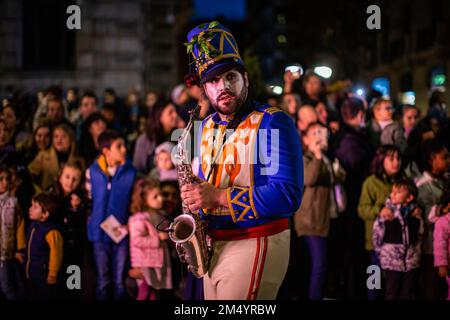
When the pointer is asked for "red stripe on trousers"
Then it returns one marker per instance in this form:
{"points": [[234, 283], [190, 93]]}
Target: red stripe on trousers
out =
{"points": [[255, 265], [261, 269]]}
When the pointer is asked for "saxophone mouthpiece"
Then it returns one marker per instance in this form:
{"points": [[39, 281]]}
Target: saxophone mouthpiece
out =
{"points": [[195, 112]]}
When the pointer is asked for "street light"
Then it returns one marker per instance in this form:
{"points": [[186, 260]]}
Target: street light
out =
{"points": [[323, 71]]}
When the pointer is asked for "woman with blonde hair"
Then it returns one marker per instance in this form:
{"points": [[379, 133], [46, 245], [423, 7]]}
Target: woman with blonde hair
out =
{"points": [[45, 167]]}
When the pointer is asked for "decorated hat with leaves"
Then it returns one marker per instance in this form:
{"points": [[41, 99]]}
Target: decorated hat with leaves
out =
{"points": [[214, 50]]}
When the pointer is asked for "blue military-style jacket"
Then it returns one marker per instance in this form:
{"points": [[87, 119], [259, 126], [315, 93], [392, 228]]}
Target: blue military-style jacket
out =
{"points": [[260, 165]]}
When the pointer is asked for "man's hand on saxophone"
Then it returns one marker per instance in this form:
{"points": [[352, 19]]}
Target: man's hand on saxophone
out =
{"points": [[203, 195]]}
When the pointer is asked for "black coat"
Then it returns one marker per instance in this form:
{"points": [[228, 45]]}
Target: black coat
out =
{"points": [[355, 154]]}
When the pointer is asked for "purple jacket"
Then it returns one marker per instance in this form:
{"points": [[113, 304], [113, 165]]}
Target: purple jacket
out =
{"points": [[442, 241], [398, 242]]}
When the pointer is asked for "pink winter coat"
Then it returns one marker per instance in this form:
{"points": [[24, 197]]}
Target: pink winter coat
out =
{"points": [[145, 247], [442, 241]]}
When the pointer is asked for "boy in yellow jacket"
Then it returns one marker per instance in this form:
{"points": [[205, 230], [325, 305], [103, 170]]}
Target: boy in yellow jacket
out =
{"points": [[44, 247]]}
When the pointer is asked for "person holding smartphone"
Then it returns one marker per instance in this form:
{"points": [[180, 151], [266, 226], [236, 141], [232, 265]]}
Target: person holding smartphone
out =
{"points": [[312, 220]]}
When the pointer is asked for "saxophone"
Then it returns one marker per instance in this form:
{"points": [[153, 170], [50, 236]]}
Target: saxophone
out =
{"points": [[188, 230]]}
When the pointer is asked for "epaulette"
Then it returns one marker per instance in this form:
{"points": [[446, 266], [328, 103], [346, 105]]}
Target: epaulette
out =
{"points": [[272, 110]]}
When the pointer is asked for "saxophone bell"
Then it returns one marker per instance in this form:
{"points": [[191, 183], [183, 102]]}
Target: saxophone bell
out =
{"points": [[189, 246], [182, 228]]}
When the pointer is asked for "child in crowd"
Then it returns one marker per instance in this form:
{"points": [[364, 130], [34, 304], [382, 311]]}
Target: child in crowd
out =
{"points": [[110, 181], [149, 249], [431, 186], [386, 168], [72, 215], [382, 129], [12, 236], [397, 239], [172, 208], [441, 238], [45, 247], [165, 169], [409, 117]]}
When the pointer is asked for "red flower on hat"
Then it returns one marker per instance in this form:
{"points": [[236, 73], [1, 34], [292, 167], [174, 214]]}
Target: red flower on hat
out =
{"points": [[191, 80]]}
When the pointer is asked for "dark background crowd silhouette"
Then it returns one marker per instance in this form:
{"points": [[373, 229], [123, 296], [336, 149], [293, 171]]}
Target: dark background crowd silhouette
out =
{"points": [[86, 123], [358, 151]]}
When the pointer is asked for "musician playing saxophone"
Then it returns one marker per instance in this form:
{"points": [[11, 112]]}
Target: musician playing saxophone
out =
{"points": [[250, 174]]}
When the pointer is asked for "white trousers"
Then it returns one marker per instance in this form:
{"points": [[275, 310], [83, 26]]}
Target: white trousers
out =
{"points": [[248, 269]]}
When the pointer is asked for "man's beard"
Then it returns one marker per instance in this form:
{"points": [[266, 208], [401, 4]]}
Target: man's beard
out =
{"points": [[234, 105]]}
